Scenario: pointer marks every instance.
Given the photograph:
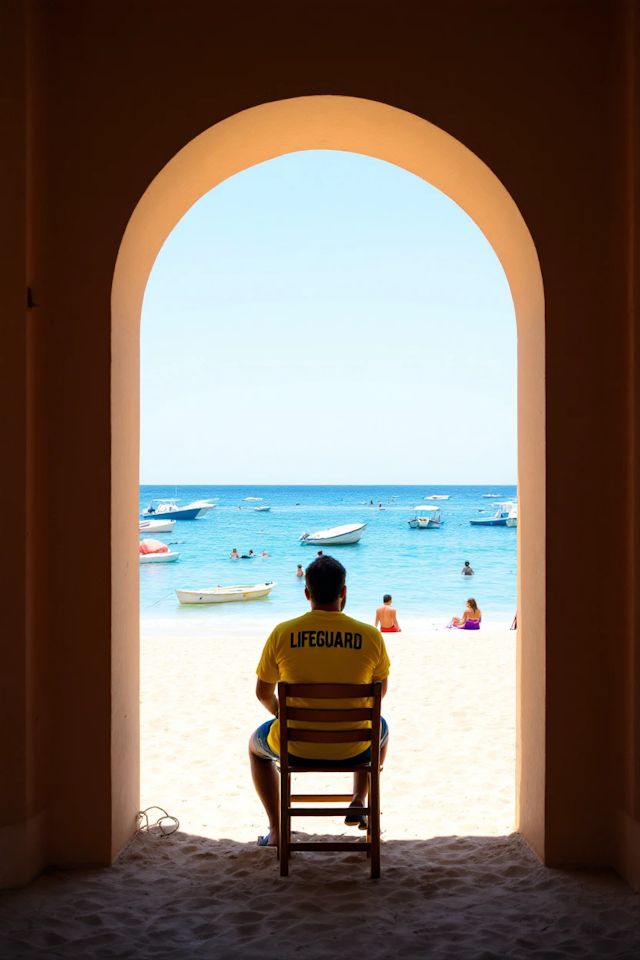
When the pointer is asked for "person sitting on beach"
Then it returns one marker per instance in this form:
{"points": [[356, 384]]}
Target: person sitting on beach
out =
{"points": [[234, 555], [322, 646], [470, 619], [386, 616], [299, 572], [466, 570]]}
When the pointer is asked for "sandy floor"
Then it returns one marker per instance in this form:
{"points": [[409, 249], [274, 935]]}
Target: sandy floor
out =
{"points": [[456, 881]]}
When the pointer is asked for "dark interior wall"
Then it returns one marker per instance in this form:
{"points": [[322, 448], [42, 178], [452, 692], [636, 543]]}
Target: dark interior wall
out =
{"points": [[537, 91]]}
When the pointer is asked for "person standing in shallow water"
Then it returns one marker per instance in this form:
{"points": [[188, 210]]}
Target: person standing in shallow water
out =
{"points": [[386, 616], [322, 646], [466, 570]]}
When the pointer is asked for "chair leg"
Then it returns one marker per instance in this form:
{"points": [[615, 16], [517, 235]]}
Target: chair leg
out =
{"points": [[285, 827], [374, 824], [369, 818]]}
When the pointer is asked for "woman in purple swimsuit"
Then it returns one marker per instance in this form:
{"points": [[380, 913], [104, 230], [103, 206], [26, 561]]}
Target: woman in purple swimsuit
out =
{"points": [[470, 619]]}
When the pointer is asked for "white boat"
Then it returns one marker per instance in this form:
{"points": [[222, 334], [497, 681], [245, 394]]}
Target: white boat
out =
{"points": [[155, 551], [512, 519], [226, 594], [491, 496], [156, 526], [169, 505], [262, 509], [349, 533], [499, 519], [439, 496], [425, 517], [252, 499]]}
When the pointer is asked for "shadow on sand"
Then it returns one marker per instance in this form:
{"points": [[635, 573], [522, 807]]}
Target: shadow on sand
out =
{"points": [[187, 896]]}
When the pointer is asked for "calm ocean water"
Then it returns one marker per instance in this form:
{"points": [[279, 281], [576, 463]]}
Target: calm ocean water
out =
{"points": [[420, 568]]}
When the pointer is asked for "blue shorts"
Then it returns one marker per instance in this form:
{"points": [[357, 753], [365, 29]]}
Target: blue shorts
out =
{"points": [[260, 746]]}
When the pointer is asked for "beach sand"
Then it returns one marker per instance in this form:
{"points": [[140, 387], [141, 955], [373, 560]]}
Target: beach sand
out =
{"points": [[456, 880]]}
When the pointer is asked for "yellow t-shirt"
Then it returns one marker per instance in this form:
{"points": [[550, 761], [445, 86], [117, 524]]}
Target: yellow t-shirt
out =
{"points": [[323, 647]]}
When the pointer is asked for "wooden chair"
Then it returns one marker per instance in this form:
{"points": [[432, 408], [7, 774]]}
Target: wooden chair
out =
{"points": [[288, 734]]}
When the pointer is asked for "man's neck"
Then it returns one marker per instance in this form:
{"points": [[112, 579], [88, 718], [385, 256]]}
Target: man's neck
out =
{"points": [[328, 607]]}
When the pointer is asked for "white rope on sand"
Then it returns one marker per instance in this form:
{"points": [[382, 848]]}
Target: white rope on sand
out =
{"points": [[159, 829]]}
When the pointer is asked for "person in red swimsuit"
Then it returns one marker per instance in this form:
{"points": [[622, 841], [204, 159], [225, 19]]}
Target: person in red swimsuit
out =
{"points": [[386, 616]]}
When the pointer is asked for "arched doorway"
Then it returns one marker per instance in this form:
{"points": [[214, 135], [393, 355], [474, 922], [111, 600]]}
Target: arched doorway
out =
{"points": [[376, 130]]}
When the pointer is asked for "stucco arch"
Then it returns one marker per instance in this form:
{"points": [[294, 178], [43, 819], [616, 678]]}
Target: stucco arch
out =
{"points": [[386, 133]]}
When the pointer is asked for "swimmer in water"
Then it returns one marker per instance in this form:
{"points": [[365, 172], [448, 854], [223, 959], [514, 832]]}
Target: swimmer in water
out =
{"points": [[466, 570], [234, 555], [299, 572]]}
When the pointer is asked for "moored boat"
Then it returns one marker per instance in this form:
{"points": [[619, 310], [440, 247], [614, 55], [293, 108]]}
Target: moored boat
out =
{"points": [[192, 511], [233, 594], [439, 496], [499, 519], [425, 517], [156, 526], [348, 533], [262, 509], [512, 519], [155, 551]]}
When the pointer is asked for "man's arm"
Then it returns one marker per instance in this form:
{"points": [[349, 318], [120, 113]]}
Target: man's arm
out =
{"points": [[265, 692], [395, 621], [377, 617]]}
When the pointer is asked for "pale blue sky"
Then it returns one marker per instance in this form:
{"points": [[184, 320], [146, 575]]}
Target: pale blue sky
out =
{"points": [[327, 318]]}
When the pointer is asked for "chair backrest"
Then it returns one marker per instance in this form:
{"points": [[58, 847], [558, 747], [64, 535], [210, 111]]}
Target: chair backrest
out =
{"points": [[330, 691]]}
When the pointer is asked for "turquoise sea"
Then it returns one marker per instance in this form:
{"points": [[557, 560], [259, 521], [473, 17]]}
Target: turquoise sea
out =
{"points": [[420, 568]]}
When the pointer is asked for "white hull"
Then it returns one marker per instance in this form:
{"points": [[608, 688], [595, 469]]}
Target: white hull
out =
{"points": [[512, 521], [438, 496], [351, 533], [225, 594], [156, 526], [159, 557], [261, 509]]}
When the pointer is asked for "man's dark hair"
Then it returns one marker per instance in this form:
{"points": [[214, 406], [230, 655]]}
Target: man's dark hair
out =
{"points": [[386, 598], [325, 579]]}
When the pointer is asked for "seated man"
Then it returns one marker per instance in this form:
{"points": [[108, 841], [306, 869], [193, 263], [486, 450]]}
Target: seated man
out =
{"points": [[322, 646], [387, 616]]}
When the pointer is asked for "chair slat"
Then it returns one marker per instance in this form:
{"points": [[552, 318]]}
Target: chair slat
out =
{"points": [[328, 736], [349, 846], [330, 691], [347, 769], [321, 798], [328, 811], [329, 716]]}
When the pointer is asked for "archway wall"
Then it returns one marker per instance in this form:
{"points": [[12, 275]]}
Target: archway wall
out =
{"points": [[540, 92], [376, 130]]}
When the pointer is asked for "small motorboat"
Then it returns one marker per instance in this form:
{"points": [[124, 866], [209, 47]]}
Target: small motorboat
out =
{"points": [[425, 518], [154, 551], [262, 509], [349, 533], [156, 526], [512, 519], [491, 496], [439, 496], [252, 499], [226, 594], [499, 519], [192, 511]]}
